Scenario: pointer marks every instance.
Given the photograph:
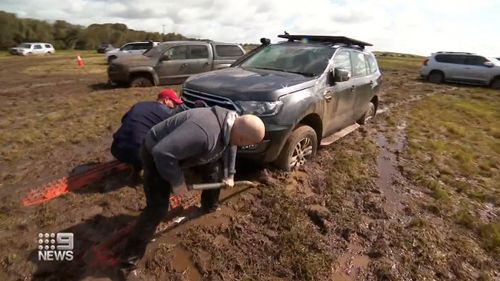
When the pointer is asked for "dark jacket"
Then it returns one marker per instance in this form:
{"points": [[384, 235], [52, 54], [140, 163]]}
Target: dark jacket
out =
{"points": [[192, 138], [139, 120]]}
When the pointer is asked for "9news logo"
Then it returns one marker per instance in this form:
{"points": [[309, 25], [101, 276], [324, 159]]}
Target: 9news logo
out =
{"points": [[55, 246]]}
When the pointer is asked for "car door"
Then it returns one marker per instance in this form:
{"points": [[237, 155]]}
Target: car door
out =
{"points": [[339, 98], [126, 50], [453, 67], [172, 67], [199, 59], [475, 71], [363, 84], [37, 49]]}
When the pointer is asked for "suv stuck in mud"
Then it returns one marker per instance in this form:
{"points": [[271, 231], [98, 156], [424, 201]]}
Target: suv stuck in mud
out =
{"points": [[309, 90]]}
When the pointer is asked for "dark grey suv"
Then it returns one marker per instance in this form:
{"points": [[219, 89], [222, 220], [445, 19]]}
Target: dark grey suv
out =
{"points": [[307, 90]]}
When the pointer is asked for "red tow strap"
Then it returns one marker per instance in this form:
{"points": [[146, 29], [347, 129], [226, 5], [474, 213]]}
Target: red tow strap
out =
{"points": [[64, 185]]}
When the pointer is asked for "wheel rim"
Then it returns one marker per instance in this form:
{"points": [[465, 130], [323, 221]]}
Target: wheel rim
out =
{"points": [[302, 150]]}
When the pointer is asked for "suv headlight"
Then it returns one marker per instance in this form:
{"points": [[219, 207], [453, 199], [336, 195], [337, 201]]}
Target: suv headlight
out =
{"points": [[260, 108]]}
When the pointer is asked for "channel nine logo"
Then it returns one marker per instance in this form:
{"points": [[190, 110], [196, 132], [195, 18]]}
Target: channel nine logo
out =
{"points": [[55, 246]]}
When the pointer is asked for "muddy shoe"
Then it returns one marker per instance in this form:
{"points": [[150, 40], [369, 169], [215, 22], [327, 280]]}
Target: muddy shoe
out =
{"points": [[127, 272], [208, 210]]}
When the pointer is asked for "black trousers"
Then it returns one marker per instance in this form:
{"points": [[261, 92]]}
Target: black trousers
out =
{"points": [[157, 192], [125, 154]]}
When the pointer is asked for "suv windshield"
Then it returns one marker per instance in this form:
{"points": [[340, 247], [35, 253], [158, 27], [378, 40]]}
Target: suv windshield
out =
{"points": [[26, 46], [307, 60]]}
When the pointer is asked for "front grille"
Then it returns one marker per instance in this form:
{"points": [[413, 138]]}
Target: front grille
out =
{"points": [[194, 98]]}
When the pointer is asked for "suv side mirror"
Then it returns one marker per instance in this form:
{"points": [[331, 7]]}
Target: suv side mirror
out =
{"points": [[488, 64], [338, 75]]}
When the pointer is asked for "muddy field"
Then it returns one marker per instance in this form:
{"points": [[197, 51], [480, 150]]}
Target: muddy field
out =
{"points": [[413, 195]]}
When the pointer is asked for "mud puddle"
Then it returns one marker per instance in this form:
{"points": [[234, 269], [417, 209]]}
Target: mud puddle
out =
{"points": [[390, 180], [182, 262], [351, 265]]}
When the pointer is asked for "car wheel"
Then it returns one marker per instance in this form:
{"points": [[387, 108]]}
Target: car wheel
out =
{"points": [[436, 77], [29, 54], [141, 81], [299, 147], [496, 83], [369, 114]]}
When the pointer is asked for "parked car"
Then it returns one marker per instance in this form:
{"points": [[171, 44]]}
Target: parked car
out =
{"points": [[308, 90], [28, 49], [460, 67], [105, 47], [173, 62], [133, 48]]}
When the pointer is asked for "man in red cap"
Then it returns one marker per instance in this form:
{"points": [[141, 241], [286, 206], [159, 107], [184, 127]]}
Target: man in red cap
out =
{"points": [[137, 122]]}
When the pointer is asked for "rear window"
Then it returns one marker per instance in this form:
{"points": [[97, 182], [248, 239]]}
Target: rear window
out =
{"points": [[48, 46], [456, 59], [198, 52], [228, 51]]}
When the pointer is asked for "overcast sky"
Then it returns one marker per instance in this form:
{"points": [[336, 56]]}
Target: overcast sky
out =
{"points": [[418, 27]]}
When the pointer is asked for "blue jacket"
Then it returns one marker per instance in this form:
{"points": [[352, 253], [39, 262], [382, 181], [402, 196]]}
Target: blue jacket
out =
{"points": [[139, 120]]}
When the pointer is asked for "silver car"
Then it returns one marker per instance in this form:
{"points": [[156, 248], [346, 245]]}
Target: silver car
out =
{"points": [[464, 68], [132, 48], [28, 49]]}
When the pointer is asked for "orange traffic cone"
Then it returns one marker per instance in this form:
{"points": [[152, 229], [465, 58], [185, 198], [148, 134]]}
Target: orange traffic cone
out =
{"points": [[79, 61]]}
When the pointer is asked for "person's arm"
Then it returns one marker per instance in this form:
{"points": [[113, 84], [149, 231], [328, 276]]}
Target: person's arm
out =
{"points": [[184, 142], [230, 165]]}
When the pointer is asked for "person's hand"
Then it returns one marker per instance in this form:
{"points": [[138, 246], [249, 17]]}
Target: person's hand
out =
{"points": [[180, 190], [228, 182]]}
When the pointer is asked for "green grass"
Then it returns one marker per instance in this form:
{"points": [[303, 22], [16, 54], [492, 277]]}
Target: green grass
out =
{"points": [[454, 150], [399, 63]]}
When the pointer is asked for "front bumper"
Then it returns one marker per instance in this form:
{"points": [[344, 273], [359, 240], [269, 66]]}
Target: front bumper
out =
{"points": [[117, 74], [269, 149]]}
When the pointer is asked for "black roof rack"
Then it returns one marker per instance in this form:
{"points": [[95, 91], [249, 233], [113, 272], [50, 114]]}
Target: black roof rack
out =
{"points": [[327, 39], [445, 52]]}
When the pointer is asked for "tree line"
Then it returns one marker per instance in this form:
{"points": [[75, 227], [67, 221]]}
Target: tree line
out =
{"points": [[64, 35]]}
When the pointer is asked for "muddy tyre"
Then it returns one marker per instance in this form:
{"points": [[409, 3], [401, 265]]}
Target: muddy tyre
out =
{"points": [[436, 77], [300, 146], [369, 114], [496, 83], [141, 81]]}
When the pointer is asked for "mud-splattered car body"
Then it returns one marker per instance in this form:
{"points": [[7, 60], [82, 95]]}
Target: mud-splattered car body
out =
{"points": [[303, 90]]}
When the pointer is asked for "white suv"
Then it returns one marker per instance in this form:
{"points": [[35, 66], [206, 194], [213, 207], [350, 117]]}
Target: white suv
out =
{"points": [[133, 48], [28, 49], [459, 67]]}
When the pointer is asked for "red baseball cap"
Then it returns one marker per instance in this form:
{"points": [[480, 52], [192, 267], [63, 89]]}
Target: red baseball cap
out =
{"points": [[168, 93]]}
